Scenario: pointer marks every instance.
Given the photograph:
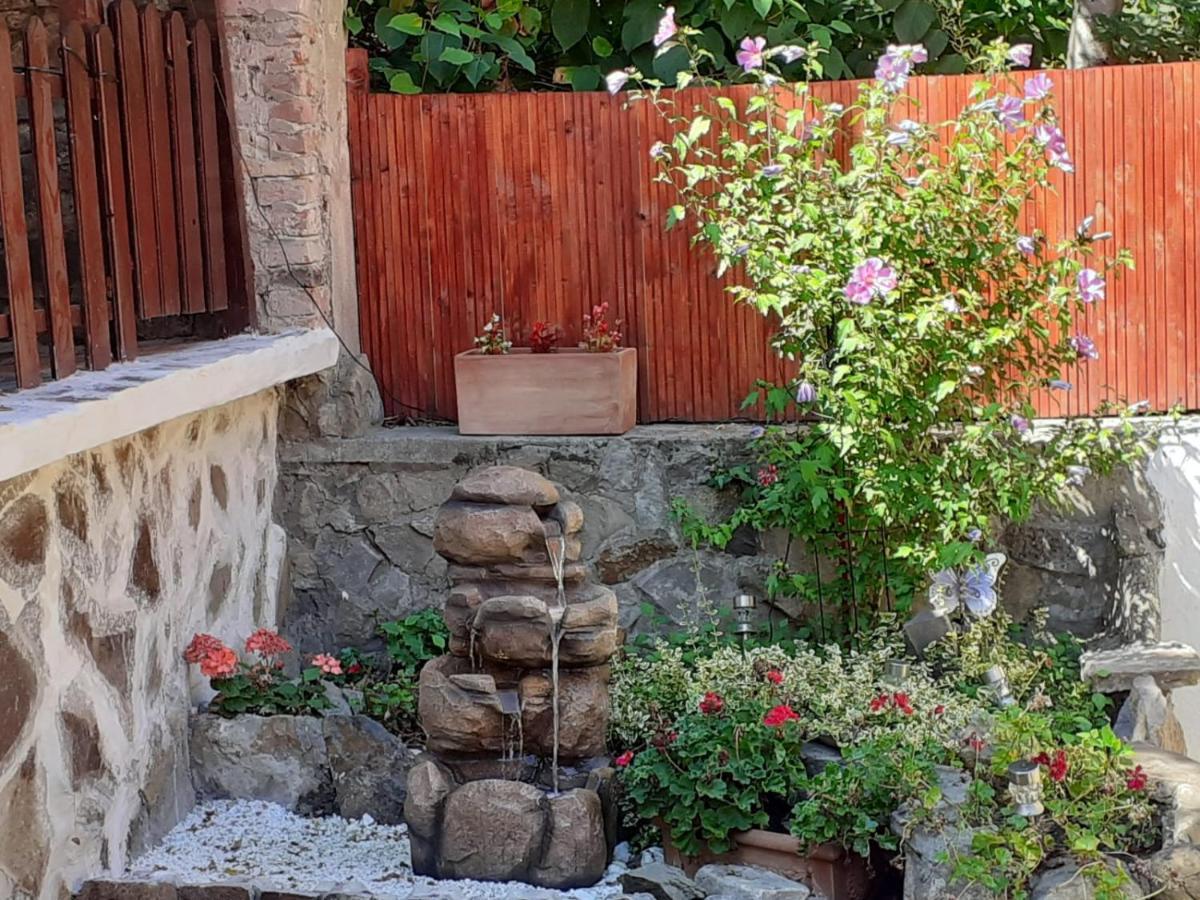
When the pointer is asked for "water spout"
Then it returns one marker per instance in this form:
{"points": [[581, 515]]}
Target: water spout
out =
{"points": [[556, 549]]}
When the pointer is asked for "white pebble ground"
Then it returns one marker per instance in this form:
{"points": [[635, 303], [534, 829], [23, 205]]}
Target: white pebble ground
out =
{"points": [[263, 844]]}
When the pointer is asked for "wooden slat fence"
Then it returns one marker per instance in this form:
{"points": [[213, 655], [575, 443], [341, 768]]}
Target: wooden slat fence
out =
{"points": [[539, 206], [119, 123]]}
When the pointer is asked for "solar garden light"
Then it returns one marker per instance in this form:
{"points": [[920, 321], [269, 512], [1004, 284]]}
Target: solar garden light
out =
{"points": [[896, 671], [743, 608], [1025, 788], [996, 682]]}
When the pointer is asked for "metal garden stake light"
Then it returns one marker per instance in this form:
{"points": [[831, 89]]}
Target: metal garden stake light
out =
{"points": [[1025, 788], [743, 608]]}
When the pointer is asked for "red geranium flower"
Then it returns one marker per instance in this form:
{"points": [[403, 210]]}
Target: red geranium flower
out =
{"points": [[267, 643], [768, 475], [215, 659], [624, 759], [779, 715], [880, 703], [354, 669], [902, 703], [939, 709], [774, 676], [976, 743], [1137, 779], [1058, 765], [711, 704]]}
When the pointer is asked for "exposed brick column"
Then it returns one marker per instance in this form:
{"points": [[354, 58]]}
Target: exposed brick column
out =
{"points": [[287, 65]]}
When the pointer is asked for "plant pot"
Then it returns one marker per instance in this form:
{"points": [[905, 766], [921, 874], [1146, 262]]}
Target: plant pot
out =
{"points": [[828, 868], [570, 391]]}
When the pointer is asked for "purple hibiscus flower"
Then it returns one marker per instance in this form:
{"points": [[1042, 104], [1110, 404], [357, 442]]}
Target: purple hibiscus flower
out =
{"points": [[1020, 54], [871, 278], [805, 392], [1038, 87], [1010, 113], [666, 27], [902, 133], [1091, 286], [1027, 245], [1020, 424], [1084, 347], [750, 56]]}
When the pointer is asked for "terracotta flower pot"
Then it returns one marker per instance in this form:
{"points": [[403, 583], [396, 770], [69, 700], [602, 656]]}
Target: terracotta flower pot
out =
{"points": [[570, 391], [828, 869]]}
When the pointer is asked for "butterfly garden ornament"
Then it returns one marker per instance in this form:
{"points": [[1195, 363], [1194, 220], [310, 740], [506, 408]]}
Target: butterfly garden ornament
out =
{"points": [[973, 588]]}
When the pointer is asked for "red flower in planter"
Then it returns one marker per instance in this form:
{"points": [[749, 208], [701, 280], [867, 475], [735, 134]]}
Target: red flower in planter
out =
{"points": [[543, 337], [1137, 779], [215, 659], [880, 703], [774, 676], [624, 759], [976, 743], [938, 710], [780, 715], [902, 703], [768, 475], [662, 739], [267, 643], [1057, 765], [354, 668], [712, 704]]}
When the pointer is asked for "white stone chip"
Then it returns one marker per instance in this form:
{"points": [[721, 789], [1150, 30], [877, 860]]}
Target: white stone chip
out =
{"points": [[263, 844]]}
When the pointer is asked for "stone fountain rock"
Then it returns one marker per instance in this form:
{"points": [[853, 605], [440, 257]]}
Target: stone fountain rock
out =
{"points": [[486, 801]]}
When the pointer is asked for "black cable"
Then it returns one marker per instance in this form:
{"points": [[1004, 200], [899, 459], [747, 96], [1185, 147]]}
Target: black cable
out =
{"points": [[236, 144]]}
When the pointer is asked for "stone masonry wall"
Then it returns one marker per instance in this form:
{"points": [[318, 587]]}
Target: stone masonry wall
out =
{"points": [[287, 64], [109, 561], [359, 517]]}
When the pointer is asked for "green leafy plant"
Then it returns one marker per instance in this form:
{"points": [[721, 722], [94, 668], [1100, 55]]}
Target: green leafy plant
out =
{"points": [[260, 687], [389, 690], [923, 321]]}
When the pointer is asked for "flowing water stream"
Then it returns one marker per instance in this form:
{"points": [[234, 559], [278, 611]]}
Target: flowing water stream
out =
{"points": [[556, 549]]}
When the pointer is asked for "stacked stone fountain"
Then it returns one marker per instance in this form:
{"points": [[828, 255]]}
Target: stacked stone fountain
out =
{"points": [[514, 784]]}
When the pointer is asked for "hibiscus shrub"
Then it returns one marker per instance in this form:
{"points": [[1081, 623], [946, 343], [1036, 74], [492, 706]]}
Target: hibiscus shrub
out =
{"points": [[922, 316], [260, 686]]}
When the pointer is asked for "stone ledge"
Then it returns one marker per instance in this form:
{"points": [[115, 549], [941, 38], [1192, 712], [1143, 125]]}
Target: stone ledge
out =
{"points": [[47, 423], [439, 444], [1170, 663]]}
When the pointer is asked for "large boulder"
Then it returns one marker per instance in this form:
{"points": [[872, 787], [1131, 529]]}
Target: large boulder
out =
{"points": [[575, 849], [369, 766], [515, 630], [492, 830], [482, 534], [1174, 782], [429, 784], [281, 759], [459, 711], [507, 485], [1175, 872]]}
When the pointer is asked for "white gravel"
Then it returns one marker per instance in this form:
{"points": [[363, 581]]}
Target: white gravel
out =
{"points": [[263, 844]]}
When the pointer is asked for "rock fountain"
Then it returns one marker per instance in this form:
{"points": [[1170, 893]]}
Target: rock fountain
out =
{"points": [[514, 784]]}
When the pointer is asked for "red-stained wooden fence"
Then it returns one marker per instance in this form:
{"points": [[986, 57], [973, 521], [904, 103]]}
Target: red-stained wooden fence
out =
{"points": [[126, 111], [538, 206]]}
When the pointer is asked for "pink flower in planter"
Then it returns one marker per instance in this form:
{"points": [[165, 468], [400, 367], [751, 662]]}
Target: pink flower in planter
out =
{"points": [[666, 27], [624, 759], [1091, 286], [750, 56], [215, 659], [329, 665]]}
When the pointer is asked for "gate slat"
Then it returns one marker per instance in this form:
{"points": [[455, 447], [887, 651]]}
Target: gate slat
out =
{"points": [[137, 152], [87, 196], [209, 158], [53, 242], [155, 61], [187, 209], [17, 269], [115, 194]]}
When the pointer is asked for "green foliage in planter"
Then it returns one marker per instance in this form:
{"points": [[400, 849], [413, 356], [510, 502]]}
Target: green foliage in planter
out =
{"points": [[921, 318], [264, 692], [389, 690]]}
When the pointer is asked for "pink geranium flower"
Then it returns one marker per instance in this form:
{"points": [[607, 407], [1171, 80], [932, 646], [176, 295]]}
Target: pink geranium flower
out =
{"points": [[329, 665]]}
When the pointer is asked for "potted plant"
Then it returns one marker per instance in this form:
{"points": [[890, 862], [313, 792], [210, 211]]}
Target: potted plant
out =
{"points": [[544, 389]]}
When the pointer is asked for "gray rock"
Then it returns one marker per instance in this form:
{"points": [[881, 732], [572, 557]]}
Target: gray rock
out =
{"points": [[662, 882], [575, 851], [492, 831], [1067, 882], [429, 784], [479, 534], [925, 874], [1148, 716], [369, 767], [748, 883], [1171, 664], [1175, 871], [1174, 782], [817, 756], [281, 759], [341, 402]]}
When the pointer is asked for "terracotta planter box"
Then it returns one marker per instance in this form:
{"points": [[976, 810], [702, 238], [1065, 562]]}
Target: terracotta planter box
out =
{"points": [[827, 869], [570, 391]]}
